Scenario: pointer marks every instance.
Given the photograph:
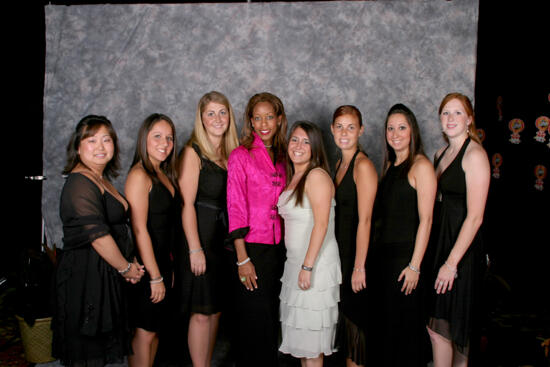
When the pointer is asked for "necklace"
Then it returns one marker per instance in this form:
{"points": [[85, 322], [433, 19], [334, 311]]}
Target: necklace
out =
{"points": [[96, 176], [344, 166], [99, 179], [268, 146]]}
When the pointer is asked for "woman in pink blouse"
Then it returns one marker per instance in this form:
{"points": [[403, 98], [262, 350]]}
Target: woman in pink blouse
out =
{"points": [[256, 177]]}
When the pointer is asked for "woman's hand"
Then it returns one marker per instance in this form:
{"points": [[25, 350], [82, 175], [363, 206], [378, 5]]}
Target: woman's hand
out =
{"points": [[445, 279], [358, 280], [158, 291], [411, 280], [198, 263], [304, 279], [135, 273], [247, 276]]}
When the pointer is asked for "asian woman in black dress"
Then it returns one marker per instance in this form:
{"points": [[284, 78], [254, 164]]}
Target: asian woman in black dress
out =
{"points": [[90, 324]]}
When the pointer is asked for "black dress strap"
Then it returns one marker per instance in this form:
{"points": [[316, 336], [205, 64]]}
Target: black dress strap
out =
{"points": [[350, 165], [198, 151], [438, 159], [463, 149], [458, 156]]}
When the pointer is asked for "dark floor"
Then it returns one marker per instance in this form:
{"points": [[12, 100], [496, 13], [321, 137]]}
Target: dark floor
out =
{"points": [[511, 335]]}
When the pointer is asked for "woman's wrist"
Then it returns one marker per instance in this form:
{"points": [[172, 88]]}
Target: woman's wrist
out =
{"points": [[453, 269], [240, 250], [194, 251], [449, 266], [125, 271], [414, 268], [156, 280], [240, 263]]}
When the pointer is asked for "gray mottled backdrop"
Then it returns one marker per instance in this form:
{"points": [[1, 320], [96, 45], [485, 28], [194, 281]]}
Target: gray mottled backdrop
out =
{"points": [[128, 61]]}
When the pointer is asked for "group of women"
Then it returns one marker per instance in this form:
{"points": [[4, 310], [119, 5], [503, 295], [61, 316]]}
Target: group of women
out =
{"points": [[305, 262]]}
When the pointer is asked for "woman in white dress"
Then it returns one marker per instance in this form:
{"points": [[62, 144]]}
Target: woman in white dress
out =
{"points": [[311, 278]]}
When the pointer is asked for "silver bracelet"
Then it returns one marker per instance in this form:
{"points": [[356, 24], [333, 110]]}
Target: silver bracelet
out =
{"points": [[454, 270], [123, 272], [243, 262], [307, 268], [414, 268], [156, 280], [195, 250], [362, 270]]}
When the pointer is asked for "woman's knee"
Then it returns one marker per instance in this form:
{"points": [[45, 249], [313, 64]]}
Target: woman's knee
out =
{"points": [[201, 318], [145, 335], [436, 337]]}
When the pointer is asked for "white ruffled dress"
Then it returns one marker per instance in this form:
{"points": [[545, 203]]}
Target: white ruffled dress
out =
{"points": [[308, 317]]}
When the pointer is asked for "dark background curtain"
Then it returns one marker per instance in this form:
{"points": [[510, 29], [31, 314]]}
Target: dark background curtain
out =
{"points": [[512, 82]]}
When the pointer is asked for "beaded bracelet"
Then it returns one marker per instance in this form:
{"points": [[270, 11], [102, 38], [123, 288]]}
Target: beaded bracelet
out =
{"points": [[123, 272], [195, 250], [414, 268], [156, 280]]}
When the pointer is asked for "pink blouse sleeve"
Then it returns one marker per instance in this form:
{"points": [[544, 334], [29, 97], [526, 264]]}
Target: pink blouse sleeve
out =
{"points": [[237, 203]]}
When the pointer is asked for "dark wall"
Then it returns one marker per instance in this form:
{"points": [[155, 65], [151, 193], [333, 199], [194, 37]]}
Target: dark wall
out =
{"points": [[23, 33], [512, 81]]}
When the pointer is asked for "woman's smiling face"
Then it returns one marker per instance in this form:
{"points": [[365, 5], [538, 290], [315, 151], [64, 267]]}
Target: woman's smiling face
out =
{"points": [[97, 150], [346, 131], [265, 122], [454, 119], [160, 142], [299, 148]]}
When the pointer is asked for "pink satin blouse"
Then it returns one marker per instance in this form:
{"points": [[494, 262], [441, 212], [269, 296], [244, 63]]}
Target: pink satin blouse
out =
{"points": [[253, 188]]}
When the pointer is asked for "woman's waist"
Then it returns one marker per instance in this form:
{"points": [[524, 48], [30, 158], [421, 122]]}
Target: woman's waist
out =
{"points": [[268, 235], [297, 248], [211, 203]]}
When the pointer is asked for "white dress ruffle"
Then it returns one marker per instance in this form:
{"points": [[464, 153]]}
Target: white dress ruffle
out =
{"points": [[308, 318]]}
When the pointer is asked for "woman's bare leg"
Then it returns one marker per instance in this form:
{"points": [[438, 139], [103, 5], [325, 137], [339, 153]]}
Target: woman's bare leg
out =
{"points": [[202, 338], [442, 349], [350, 363], [214, 323], [459, 359], [144, 345], [312, 362]]}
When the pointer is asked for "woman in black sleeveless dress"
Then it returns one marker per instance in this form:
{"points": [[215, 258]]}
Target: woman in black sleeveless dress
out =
{"points": [[356, 180], [463, 175], [403, 218], [152, 191], [90, 323], [203, 183]]}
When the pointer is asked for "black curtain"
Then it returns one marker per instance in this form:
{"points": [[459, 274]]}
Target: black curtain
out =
{"points": [[512, 82]]}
